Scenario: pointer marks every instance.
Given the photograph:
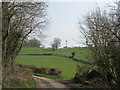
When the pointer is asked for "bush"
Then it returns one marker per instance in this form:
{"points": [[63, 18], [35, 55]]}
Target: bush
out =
{"points": [[54, 71], [40, 70], [73, 54], [79, 79], [93, 74], [98, 83], [80, 75], [84, 75]]}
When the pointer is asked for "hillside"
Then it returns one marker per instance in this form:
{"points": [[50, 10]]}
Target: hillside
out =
{"points": [[81, 52], [66, 65]]}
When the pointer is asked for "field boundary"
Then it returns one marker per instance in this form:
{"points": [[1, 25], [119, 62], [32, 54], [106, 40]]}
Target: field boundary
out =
{"points": [[73, 58]]}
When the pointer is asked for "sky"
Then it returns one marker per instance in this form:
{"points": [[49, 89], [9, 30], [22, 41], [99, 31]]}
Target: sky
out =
{"points": [[63, 20], [64, 17]]}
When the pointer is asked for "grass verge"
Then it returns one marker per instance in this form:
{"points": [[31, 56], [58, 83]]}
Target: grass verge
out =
{"points": [[47, 76]]}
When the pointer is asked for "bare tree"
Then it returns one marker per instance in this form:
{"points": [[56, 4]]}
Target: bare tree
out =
{"points": [[102, 30], [19, 19], [56, 43]]}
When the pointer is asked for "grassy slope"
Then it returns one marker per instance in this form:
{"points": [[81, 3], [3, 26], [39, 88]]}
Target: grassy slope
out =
{"points": [[67, 66], [82, 53]]}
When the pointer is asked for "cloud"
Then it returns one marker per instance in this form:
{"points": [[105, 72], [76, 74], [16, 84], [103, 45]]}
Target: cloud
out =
{"points": [[78, 0], [57, 0]]}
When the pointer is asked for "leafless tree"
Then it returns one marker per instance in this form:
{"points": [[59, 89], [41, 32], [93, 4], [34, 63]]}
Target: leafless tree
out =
{"points": [[19, 19], [101, 29], [32, 43], [56, 43]]}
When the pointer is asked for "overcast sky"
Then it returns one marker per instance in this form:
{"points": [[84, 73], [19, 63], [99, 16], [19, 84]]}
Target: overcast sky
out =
{"points": [[64, 18]]}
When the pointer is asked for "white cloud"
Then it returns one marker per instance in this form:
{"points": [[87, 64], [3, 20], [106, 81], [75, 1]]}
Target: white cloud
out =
{"points": [[79, 0], [58, 0]]}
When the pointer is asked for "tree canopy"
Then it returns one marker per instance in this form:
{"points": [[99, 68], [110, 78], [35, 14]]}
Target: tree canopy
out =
{"points": [[19, 19], [101, 29], [56, 43]]}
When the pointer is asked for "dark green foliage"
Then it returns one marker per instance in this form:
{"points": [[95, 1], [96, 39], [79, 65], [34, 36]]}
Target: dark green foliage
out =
{"points": [[73, 54], [99, 83], [81, 73], [79, 78], [41, 70], [92, 74], [85, 75]]}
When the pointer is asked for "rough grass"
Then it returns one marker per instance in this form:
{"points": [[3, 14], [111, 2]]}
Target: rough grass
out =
{"points": [[66, 65], [19, 78], [47, 76], [81, 52], [17, 83]]}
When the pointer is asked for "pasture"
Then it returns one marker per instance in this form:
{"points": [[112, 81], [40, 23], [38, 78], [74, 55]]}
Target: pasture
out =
{"points": [[66, 65], [81, 52]]}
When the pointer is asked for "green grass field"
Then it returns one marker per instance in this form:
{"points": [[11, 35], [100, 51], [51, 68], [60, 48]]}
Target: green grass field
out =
{"points": [[81, 52], [66, 65]]}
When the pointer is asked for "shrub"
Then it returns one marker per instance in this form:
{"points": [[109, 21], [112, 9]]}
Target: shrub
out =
{"points": [[85, 74], [79, 78], [98, 83], [54, 71], [80, 75], [73, 54], [92, 74], [40, 70]]}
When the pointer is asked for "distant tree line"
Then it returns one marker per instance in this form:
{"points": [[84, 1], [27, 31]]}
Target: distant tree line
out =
{"points": [[32, 43]]}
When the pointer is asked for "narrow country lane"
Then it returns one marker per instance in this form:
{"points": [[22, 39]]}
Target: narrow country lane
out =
{"points": [[48, 83]]}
